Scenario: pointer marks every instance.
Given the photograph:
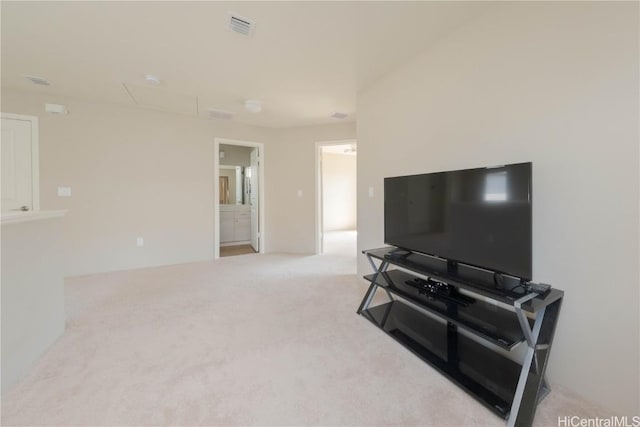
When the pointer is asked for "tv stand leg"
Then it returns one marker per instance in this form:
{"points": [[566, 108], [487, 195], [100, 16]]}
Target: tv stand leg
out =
{"points": [[366, 301], [544, 389], [533, 386], [367, 298]]}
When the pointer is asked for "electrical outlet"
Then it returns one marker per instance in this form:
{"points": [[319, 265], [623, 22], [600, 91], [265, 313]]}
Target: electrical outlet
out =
{"points": [[139, 242]]}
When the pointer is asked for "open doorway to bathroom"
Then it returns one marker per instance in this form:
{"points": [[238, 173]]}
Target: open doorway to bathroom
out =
{"points": [[238, 198], [336, 207]]}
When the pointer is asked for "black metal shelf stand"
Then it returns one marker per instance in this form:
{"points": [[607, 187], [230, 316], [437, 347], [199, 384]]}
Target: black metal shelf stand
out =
{"points": [[429, 324]]}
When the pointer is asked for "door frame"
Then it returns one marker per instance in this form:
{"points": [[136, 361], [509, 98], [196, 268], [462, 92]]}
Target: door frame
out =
{"points": [[318, 214], [35, 157], [216, 191]]}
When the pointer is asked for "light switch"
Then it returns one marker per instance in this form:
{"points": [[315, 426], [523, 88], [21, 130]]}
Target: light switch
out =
{"points": [[299, 193], [64, 191], [139, 242], [371, 192]]}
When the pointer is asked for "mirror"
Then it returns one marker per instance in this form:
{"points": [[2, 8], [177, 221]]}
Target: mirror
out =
{"points": [[235, 168], [233, 184]]}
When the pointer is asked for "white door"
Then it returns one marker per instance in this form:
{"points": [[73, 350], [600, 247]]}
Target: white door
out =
{"points": [[17, 168], [254, 199]]}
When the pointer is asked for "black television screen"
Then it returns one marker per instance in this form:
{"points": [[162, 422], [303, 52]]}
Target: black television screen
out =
{"points": [[480, 217]]}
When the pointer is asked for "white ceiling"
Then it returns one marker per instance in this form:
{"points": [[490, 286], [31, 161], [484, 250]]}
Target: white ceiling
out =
{"points": [[304, 61]]}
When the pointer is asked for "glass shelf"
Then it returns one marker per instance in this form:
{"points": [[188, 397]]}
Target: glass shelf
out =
{"points": [[470, 278], [489, 321], [488, 376]]}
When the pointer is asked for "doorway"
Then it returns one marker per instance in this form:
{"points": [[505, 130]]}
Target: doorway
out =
{"points": [[20, 171], [336, 204], [238, 197]]}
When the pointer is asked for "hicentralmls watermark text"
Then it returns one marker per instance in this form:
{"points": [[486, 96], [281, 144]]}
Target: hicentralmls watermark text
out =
{"points": [[614, 421]]}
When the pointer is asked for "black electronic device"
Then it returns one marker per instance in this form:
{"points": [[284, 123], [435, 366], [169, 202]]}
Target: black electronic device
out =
{"points": [[438, 290], [398, 254], [542, 289], [478, 217]]}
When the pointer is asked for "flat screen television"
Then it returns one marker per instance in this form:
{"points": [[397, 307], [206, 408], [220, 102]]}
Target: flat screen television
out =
{"points": [[480, 217]]}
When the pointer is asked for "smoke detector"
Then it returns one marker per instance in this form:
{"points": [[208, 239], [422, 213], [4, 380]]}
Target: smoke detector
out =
{"points": [[253, 105], [240, 24], [151, 79], [38, 80], [338, 115]]}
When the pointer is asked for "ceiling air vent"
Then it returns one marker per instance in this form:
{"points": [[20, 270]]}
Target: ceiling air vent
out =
{"points": [[38, 80], [220, 114], [240, 25]]}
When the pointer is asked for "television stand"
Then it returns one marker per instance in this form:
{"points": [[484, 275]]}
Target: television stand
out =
{"points": [[434, 315]]}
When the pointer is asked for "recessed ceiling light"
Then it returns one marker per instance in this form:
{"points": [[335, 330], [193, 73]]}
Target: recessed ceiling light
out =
{"points": [[253, 105], [151, 79], [38, 80], [338, 115]]}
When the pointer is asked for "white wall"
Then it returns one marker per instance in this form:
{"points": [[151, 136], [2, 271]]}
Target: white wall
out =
{"points": [[132, 172], [290, 162], [144, 173], [339, 191], [554, 83], [32, 294]]}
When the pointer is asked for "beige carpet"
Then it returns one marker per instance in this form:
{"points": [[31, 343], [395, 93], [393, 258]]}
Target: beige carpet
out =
{"points": [[256, 339]]}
